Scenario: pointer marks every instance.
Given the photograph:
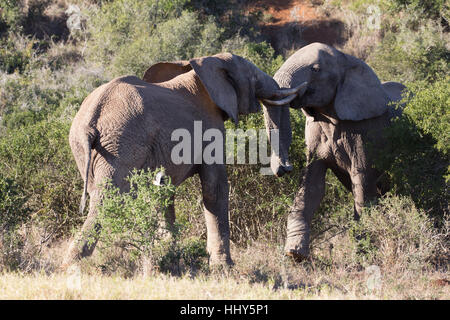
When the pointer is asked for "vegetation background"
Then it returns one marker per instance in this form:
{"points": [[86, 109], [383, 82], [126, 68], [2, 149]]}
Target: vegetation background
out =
{"points": [[53, 53]]}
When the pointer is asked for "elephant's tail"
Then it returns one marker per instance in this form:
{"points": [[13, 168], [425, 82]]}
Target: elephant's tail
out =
{"points": [[89, 137]]}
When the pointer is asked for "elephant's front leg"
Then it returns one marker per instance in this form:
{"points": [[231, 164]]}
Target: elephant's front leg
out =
{"points": [[215, 201], [305, 204]]}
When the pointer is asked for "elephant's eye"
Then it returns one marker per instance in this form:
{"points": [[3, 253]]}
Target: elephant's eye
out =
{"points": [[315, 68]]}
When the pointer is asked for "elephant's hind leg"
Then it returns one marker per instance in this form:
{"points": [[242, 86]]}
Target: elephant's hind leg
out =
{"points": [[85, 241]]}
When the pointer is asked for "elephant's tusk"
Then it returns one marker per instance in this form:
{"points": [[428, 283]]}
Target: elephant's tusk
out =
{"points": [[281, 102], [287, 92]]}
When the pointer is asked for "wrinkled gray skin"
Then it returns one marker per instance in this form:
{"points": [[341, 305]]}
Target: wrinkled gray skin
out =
{"points": [[345, 106], [127, 123]]}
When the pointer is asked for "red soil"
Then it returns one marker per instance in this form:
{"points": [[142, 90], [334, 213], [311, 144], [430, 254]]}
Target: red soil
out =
{"points": [[296, 23], [285, 11]]}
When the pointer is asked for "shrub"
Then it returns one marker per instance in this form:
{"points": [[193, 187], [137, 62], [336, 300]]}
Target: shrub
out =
{"points": [[15, 53], [429, 8], [188, 254], [37, 156], [11, 15], [36, 110], [411, 50], [128, 36], [179, 38], [11, 204], [416, 157], [137, 216], [429, 109], [13, 212], [396, 235], [136, 220]]}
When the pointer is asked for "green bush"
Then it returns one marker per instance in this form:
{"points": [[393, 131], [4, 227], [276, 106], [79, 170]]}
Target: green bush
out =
{"points": [[188, 254], [36, 115], [395, 234], [416, 157], [429, 8], [11, 15], [15, 54], [13, 212], [411, 50], [11, 204], [128, 36], [39, 158], [179, 38], [136, 219], [429, 109]]}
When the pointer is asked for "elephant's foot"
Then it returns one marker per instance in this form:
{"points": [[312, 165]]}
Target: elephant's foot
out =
{"points": [[82, 246], [297, 248], [77, 251], [71, 258], [220, 260]]}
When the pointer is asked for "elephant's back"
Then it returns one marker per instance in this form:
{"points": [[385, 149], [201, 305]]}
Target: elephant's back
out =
{"points": [[111, 111], [107, 103], [134, 121]]}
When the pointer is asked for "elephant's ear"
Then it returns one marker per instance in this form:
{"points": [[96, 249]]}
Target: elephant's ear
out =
{"points": [[360, 95], [219, 85], [165, 71]]}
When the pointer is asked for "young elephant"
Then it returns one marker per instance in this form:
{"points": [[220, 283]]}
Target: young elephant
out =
{"points": [[346, 106], [128, 123]]}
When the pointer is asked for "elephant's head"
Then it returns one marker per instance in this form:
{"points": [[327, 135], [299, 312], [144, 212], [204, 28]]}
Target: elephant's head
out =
{"points": [[339, 86], [234, 84]]}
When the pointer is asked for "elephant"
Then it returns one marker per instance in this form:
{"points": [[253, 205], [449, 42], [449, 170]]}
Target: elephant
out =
{"points": [[346, 108], [127, 123]]}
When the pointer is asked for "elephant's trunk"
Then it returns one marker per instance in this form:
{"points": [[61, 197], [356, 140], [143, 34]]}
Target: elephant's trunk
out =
{"points": [[276, 102], [278, 119]]}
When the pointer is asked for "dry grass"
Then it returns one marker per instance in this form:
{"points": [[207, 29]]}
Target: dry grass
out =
{"points": [[261, 272], [408, 260], [160, 287]]}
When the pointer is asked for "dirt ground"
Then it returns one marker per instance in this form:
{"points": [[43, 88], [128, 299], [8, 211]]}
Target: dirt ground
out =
{"points": [[291, 24]]}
